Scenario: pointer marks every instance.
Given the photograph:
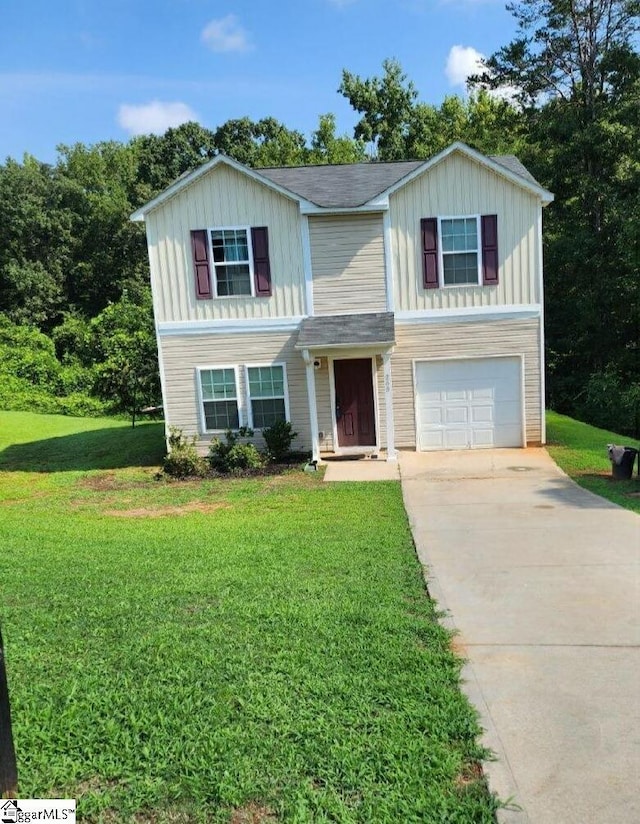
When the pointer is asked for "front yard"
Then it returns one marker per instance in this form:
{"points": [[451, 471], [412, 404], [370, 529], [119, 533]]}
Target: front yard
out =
{"points": [[581, 451], [223, 651]]}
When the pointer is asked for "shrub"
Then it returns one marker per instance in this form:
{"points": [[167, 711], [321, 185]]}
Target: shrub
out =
{"points": [[182, 460], [278, 439], [229, 455]]}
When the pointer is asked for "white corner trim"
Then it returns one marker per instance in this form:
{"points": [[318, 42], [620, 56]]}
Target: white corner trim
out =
{"points": [[388, 260], [469, 314], [306, 264], [163, 386], [310, 374], [543, 390], [392, 454], [229, 327]]}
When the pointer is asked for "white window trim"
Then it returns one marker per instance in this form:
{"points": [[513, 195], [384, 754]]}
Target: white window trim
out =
{"points": [[248, 366], [201, 402], [441, 252], [252, 284]]}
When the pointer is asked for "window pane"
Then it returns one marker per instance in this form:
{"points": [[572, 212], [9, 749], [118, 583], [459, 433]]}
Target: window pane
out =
{"points": [[460, 269], [218, 384], [233, 280], [267, 412], [229, 245], [221, 414], [459, 234], [266, 381]]}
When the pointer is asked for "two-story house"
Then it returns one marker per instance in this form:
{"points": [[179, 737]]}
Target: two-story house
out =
{"points": [[376, 306]]}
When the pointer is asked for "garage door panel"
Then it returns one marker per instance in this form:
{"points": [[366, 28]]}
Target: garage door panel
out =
{"points": [[482, 414], [466, 404], [456, 415]]}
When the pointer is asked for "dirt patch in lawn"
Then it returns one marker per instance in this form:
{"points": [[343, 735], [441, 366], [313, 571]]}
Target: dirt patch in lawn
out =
{"points": [[253, 814], [471, 774], [112, 482], [165, 511]]}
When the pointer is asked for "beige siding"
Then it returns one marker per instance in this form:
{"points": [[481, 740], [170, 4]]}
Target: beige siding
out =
{"points": [[460, 186], [224, 197], [440, 340], [347, 259], [183, 354]]}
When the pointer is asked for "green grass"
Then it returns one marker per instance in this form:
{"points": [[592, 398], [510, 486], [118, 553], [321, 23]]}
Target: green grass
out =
{"points": [[251, 650], [581, 451]]}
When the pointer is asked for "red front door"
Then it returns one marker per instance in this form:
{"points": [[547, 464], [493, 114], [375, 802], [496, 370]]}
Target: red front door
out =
{"points": [[355, 411]]}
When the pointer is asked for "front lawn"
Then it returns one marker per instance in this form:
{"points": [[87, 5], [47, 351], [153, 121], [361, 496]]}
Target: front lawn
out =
{"points": [[245, 651], [581, 451]]}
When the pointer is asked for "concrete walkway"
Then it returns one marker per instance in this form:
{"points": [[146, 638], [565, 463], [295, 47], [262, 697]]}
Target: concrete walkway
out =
{"points": [[541, 579]]}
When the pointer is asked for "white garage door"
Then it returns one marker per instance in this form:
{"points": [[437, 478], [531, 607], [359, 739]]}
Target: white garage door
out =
{"points": [[469, 404]]}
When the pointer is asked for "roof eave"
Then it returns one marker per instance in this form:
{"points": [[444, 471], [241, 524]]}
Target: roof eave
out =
{"points": [[183, 182], [545, 196]]}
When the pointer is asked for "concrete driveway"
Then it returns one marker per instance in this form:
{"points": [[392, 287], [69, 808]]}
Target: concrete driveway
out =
{"points": [[541, 579]]}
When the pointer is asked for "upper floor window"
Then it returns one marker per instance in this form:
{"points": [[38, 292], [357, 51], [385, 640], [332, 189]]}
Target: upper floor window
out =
{"points": [[460, 247], [459, 251], [232, 262]]}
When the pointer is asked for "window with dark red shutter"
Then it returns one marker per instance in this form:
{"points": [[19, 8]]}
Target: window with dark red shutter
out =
{"points": [[201, 268], [261, 265], [429, 233]]}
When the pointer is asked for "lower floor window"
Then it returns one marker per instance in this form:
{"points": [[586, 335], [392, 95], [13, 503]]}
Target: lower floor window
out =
{"points": [[219, 398], [267, 395]]}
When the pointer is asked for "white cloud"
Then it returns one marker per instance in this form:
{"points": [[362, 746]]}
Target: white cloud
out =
{"points": [[462, 62], [226, 35], [155, 117]]}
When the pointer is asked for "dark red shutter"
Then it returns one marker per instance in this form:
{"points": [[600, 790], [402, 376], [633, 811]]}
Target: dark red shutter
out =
{"points": [[201, 268], [489, 250], [429, 232], [261, 265]]}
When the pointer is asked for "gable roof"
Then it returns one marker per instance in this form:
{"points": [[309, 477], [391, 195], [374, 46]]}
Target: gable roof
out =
{"points": [[352, 185], [341, 186]]}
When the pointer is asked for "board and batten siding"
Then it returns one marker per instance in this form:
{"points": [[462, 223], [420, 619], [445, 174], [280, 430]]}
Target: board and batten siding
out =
{"points": [[347, 261], [463, 340], [183, 354], [459, 186], [224, 197]]}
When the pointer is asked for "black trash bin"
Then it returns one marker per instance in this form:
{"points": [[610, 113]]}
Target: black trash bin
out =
{"points": [[622, 460]]}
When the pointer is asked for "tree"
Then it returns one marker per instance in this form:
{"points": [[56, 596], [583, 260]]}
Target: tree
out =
{"points": [[576, 72], [386, 104], [402, 128], [327, 148], [124, 349], [259, 143]]}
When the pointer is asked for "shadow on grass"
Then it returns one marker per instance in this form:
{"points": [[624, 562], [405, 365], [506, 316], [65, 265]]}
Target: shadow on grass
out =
{"points": [[111, 448]]}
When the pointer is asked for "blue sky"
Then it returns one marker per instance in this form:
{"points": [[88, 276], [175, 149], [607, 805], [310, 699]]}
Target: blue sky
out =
{"points": [[90, 70]]}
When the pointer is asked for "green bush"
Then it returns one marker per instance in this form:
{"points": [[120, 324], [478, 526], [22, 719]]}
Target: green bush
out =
{"points": [[229, 455], [182, 460], [278, 439]]}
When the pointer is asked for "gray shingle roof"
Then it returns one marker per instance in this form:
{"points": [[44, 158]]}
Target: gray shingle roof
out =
{"points": [[326, 331], [342, 186], [512, 163], [350, 185]]}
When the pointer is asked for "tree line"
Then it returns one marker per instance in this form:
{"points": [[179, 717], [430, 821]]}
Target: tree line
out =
{"points": [[76, 326]]}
